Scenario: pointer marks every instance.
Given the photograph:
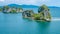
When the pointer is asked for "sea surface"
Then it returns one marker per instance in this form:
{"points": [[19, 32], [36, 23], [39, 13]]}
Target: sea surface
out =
{"points": [[15, 24]]}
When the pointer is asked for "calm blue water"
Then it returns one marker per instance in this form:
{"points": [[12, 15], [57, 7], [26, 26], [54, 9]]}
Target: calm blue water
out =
{"points": [[15, 24]]}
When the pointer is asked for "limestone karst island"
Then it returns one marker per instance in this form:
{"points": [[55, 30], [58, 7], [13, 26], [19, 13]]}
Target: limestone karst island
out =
{"points": [[43, 13]]}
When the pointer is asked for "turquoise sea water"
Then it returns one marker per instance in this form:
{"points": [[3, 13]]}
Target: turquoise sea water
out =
{"points": [[15, 24]]}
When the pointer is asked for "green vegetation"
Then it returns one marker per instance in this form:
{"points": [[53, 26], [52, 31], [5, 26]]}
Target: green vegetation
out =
{"points": [[13, 11], [6, 7], [38, 16], [0, 9]]}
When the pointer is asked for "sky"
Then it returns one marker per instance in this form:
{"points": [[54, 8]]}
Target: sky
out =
{"points": [[31, 2]]}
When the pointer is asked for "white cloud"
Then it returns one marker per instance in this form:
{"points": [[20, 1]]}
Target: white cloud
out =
{"points": [[31, 2], [1, 0], [44, 0], [28, 2]]}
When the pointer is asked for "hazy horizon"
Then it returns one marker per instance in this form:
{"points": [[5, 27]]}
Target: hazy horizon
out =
{"points": [[31, 2]]}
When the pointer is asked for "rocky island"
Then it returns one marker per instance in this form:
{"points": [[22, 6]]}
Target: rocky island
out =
{"points": [[7, 9], [42, 15]]}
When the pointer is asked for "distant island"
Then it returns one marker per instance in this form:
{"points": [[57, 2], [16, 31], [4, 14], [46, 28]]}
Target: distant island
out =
{"points": [[8, 9]]}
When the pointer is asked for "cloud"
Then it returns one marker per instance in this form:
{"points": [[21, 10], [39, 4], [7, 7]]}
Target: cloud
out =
{"points": [[26, 2], [31, 2], [43, 0], [2, 0]]}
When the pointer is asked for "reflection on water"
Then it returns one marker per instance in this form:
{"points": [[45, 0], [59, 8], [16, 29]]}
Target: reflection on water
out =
{"points": [[39, 27], [43, 27], [26, 19]]}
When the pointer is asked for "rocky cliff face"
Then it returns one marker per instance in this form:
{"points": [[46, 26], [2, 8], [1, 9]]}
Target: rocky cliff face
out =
{"points": [[27, 13], [44, 10]]}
